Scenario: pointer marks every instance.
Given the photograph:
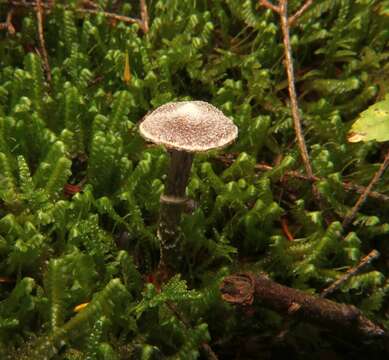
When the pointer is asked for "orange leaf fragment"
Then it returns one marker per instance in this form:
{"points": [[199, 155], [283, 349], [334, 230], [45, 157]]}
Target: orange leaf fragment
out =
{"points": [[80, 307]]}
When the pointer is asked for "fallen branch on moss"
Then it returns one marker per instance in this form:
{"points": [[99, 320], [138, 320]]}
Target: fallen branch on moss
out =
{"points": [[244, 289]]}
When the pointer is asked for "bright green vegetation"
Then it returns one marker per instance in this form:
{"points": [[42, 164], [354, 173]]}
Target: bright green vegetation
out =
{"points": [[100, 244]]}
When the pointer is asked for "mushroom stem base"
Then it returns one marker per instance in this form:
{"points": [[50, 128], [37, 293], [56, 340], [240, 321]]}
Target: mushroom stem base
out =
{"points": [[173, 203]]}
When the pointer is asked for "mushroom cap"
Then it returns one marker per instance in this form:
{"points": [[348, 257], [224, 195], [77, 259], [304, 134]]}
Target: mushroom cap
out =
{"points": [[192, 126]]}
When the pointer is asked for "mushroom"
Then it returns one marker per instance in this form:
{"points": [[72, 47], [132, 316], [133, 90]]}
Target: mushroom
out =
{"points": [[183, 128]]}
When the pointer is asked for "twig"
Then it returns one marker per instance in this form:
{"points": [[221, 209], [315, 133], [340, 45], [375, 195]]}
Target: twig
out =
{"points": [[27, 4], [282, 11], [8, 23], [91, 4], [243, 289], [144, 15], [285, 229], [348, 186], [106, 14], [205, 346], [366, 260], [43, 51], [10, 27], [377, 176], [299, 12], [109, 15], [267, 4], [292, 88]]}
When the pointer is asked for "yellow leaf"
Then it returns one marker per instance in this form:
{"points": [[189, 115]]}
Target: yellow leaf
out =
{"points": [[127, 72]]}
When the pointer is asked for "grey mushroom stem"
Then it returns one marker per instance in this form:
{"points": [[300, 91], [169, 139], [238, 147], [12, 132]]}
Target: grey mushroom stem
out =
{"points": [[173, 203]]}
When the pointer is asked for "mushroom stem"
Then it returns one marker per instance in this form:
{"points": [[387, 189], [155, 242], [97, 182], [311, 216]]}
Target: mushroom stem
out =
{"points": [[172, 204]]}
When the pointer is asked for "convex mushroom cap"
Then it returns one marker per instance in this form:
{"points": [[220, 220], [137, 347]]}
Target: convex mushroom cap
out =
{"points": [[192, 126]]}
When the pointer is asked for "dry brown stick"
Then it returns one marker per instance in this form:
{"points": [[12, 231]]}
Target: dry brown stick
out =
{"points": [[374, 254], [377, 176], [7, 24], [299, 12], [10, 27], [366, 260], [243, 289], [43, 51], [91, 4], [25, 4], [144, 15], [109, 15], [269, 5], [106, 14], [282, 11], [292, 88], [205, 346]]}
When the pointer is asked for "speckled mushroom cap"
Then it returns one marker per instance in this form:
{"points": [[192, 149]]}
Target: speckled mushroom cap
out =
{"points": [[192, 126]]}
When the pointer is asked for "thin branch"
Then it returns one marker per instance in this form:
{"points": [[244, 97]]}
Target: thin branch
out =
{"points": [[10, 27], [144, 15], [43, 51], [377, 176], [244, 289], [299, 12], [267, 4], [348, 186], [106, 14], [8, 23], [91, 4], [366, 260], [25, 4], [292, 88], [109, 15], [282, 10]]}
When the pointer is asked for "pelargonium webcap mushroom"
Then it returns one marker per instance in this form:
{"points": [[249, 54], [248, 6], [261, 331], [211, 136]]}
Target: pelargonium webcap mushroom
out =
{"points": [[184, 128]]}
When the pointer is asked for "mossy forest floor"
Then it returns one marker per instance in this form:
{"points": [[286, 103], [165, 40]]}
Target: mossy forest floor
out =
{"points": [[80, 189]]}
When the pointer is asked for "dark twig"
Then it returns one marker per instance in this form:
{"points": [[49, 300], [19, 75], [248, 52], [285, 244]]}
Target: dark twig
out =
{"points": [[299, 12], [377, 176], [366, 260], [289, 321], [144, 15], [43, 51], [243, 289]]}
